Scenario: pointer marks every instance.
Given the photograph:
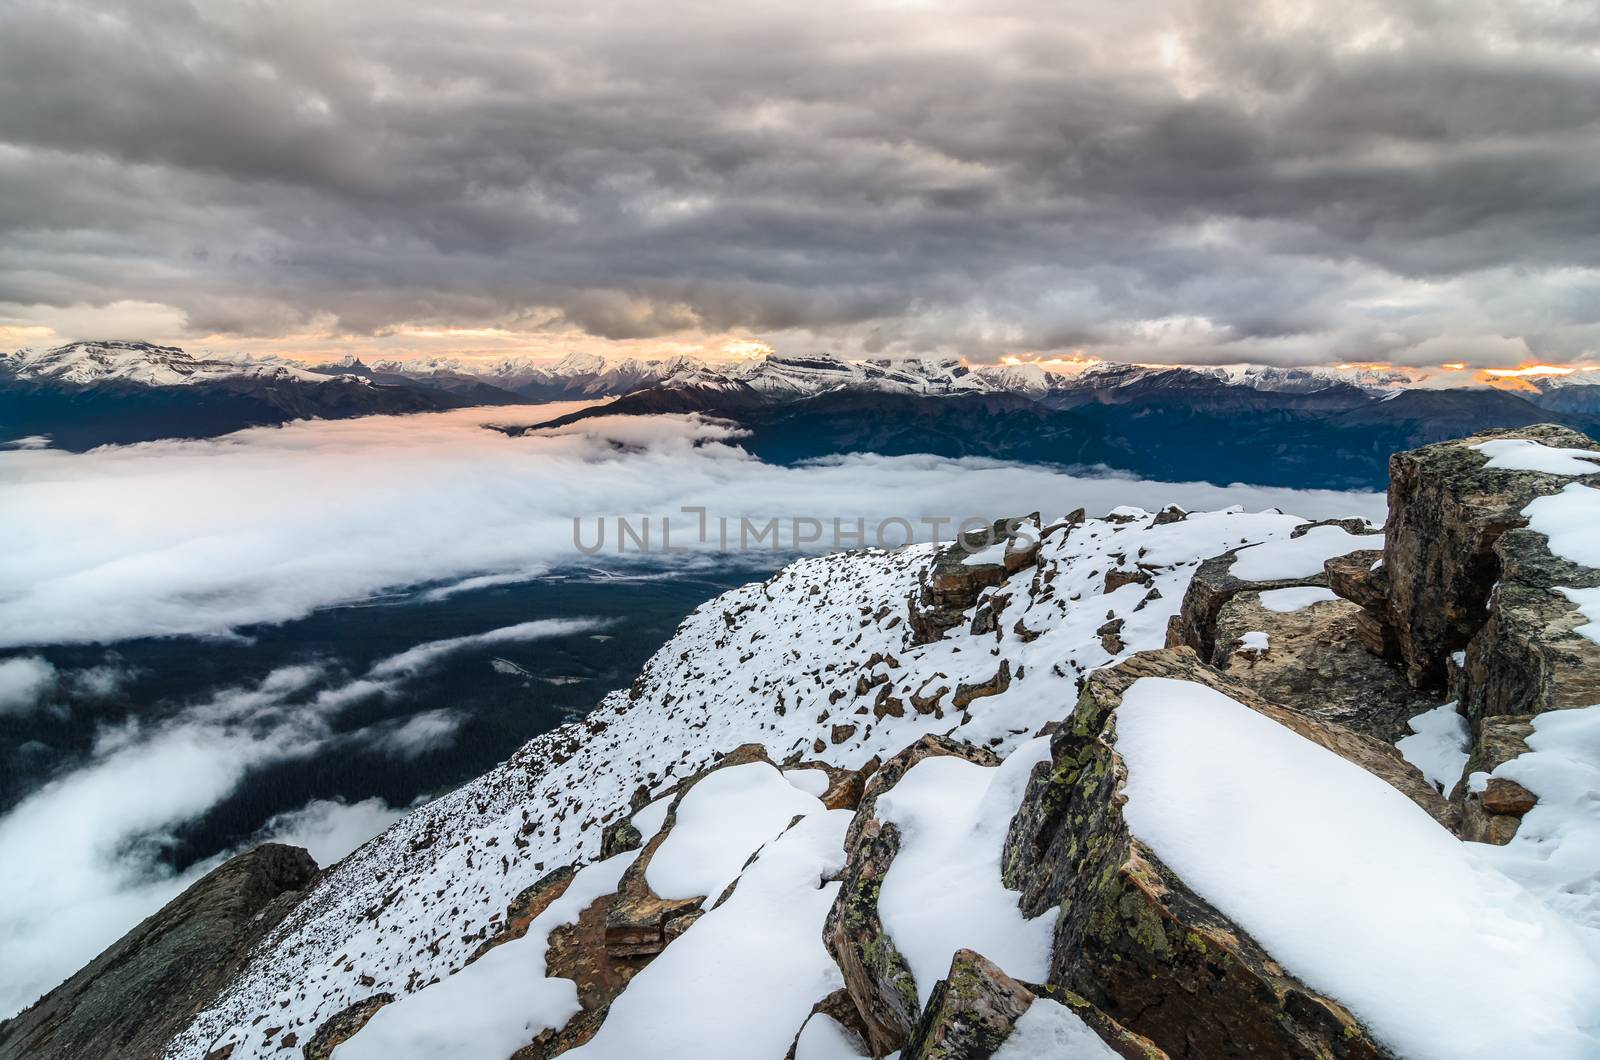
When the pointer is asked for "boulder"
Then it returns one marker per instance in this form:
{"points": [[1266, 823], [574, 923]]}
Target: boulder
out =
{"points": [[1494, 814], [950, 586], [1214, 584], [1131, 937], [974, 1009]]}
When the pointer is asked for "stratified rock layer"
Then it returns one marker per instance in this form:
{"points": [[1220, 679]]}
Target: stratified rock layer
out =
{"points": [[1447, 513]]}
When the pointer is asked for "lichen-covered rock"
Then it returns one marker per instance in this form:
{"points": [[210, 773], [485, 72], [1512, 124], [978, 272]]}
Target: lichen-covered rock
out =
{"points": [[1447, 513], [877, 977], [1131, 937], [129, 1001], [974, 1009]]}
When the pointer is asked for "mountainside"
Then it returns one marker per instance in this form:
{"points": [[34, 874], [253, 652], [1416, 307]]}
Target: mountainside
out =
{"points": [[1130, 786], [87, 394], [1176, 426]]}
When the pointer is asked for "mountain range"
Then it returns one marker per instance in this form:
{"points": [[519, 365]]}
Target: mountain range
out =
{"points": [[1329, 427]]}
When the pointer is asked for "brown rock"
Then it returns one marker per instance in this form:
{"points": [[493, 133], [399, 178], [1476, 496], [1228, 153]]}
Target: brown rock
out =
{"points": [[1117, 577], [1501, 796], [950, 586], [1318, 666], [966, 693], [1213, 585]]}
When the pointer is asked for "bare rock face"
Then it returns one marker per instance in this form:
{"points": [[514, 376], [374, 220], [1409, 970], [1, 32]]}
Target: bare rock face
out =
{"points": [[1329, 661], [877, 977], [1447, 514], [1317, 663], [130, 1001], [1131, 937], [1527, 657], [975, 1008]]}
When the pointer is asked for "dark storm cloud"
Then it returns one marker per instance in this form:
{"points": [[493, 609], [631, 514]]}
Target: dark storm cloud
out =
{"points": [[1275, 181]]}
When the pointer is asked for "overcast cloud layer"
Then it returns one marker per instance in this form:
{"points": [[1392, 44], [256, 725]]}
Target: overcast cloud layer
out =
{"points": [[1222, 180]]}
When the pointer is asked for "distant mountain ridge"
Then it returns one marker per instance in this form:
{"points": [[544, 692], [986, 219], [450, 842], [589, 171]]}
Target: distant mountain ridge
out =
{"points": [[1316, 427], [96, 393]]}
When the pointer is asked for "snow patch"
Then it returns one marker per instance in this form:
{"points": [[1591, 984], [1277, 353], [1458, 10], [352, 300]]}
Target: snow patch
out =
{"points": [[1525, 454], [1438, 745], [1255, 641], [726, 815], [740, 981], [1296, 598], [1554, 851], [1051, 1029], [943, 892], [1299, 557]]}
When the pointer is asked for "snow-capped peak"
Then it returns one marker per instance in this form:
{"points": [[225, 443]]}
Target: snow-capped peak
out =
{"points": [[141, 363]]}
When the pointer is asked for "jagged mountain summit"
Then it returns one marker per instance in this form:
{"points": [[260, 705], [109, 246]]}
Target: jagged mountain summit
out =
{"points": [[1144, 785], [96, 363]]}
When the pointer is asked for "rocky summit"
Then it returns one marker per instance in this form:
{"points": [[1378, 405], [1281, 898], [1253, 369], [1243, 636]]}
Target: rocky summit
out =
{"points": [[1154, 784]]}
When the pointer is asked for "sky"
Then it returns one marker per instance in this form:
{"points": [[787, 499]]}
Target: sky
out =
{"points": [[1278, 181]]}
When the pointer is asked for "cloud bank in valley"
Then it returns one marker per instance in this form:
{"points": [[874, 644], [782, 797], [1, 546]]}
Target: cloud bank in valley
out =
{"points": [[266, 525], [1215, 180], [83, 852]]}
